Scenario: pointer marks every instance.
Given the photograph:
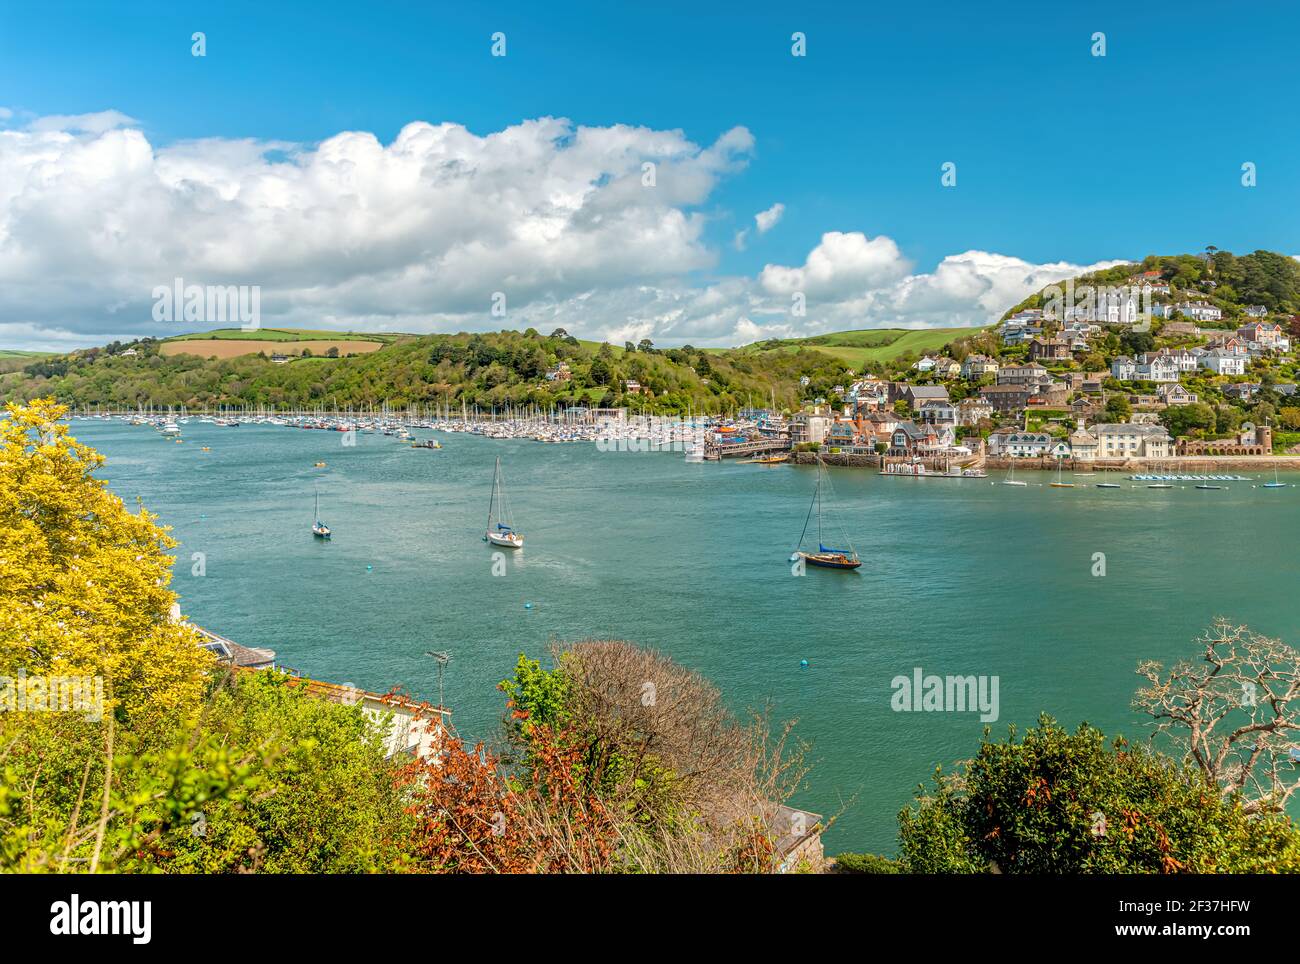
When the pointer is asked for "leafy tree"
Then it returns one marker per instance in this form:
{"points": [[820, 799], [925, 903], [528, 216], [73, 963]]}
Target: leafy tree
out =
{"points": [[1060, 802], [1186, 419], [83, 581], [328, 800], [1118, 408]]}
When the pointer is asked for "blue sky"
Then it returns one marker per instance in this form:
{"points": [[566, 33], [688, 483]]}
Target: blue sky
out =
{"points": [[1061, 156]]}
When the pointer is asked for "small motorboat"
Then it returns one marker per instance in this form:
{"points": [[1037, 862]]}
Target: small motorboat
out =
{"points": [[1209, 487], [319, 465], [1109, 485]]}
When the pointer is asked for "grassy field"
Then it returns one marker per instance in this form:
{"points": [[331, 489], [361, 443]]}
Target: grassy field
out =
{"points": [[14, 353], [287, 334], [234, 347], [856, 348]]}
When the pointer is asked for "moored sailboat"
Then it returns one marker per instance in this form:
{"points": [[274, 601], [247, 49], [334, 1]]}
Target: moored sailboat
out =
{"points": [[826, 556], [319, 529], [1059, 484], [500, 527]]}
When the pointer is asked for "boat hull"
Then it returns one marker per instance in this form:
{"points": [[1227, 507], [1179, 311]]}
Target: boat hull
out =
{"points": [[505, 542], [830, 560]]}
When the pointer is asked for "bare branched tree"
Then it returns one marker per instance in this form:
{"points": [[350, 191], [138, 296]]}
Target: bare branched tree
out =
{"points": [[693, 788], [1233, 713]]}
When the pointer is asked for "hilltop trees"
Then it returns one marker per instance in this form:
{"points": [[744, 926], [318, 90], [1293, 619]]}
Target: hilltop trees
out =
{"points": [[495, 369]]}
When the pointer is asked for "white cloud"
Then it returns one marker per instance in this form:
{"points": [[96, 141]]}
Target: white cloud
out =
{"points": [[839, 265], [417, 235], [766, 220], [93, 217], [96, 123]]}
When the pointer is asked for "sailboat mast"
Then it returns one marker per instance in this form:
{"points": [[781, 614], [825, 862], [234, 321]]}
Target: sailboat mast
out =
{"points": [[819, 504]]}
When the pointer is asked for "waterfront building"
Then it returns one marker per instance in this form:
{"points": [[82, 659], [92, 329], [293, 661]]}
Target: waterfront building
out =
{"points": [[1129, 440]]}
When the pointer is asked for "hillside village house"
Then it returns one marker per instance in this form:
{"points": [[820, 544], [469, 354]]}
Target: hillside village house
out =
{"points": [[1130, 441], [1031, 374], [1175, 394], [972, 411], [1222, 363], [926, 364], [1196, 310], [1049, 349], [846, 434], [1020, 445], [809, 427], [1183, 359], [917, 395], [1109, 306], [1083, 444], [1243, 391], [1151, 367], [911, 440], [1256, 311], [1268, 337], [977, 366], [1007, 399], [937, 411]]}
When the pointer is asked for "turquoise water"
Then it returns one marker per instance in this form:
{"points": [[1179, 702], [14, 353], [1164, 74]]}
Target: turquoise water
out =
{"points": [[961, 578]]}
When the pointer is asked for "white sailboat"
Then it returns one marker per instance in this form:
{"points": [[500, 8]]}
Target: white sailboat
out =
{"points": [[501, 524], [1011, 476], [319, 529]]}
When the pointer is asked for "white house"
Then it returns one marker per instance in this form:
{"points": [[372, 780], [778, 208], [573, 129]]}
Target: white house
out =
{"points": [[1223, 363], [1127, 440]]}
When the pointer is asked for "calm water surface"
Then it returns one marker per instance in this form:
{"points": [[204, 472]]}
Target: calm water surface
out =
{"points": [[958, 578]]}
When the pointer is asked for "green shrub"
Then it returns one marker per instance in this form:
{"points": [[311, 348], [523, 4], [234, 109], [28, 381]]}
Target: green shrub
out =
{"points": [[867, 864]]}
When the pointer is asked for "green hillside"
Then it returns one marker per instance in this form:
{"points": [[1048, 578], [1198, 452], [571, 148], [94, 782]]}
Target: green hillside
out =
{"points": [[14, 353], [488, 370], [858, 348]]}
